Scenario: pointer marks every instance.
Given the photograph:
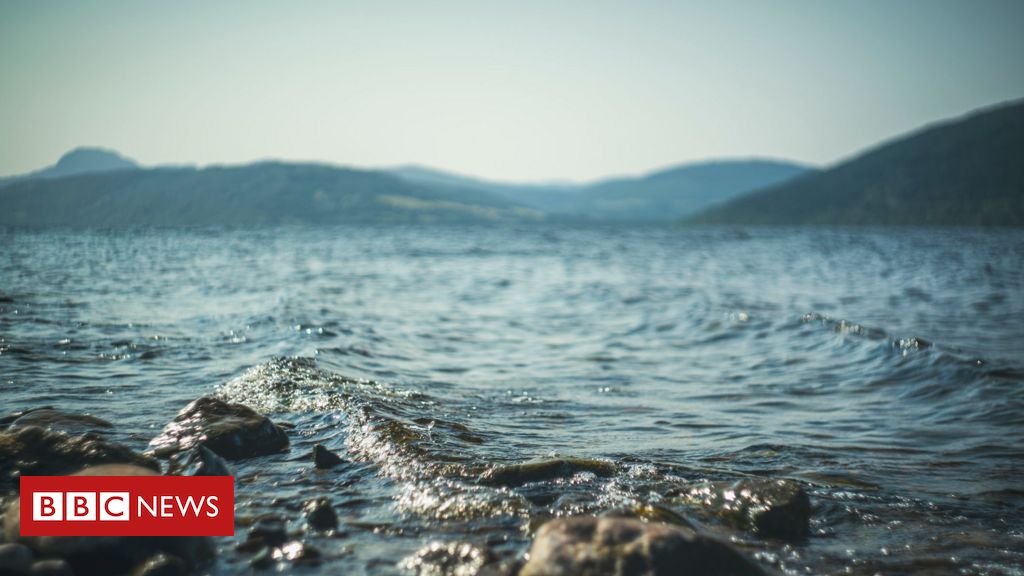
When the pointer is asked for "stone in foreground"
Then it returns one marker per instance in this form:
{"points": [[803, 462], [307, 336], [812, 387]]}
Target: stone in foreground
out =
{"points": [[588, 546], [34, 451], [109, 554], [233, 431], [52, 419]]}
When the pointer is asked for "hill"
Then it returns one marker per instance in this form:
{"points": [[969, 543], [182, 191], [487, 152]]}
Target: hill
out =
{"points": [[264, 193], [679, 191], [969, 171], [549, 197], [662, 196], [81, 160]]}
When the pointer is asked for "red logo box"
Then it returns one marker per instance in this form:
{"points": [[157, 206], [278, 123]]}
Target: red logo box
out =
{"points": [[127, 506]]}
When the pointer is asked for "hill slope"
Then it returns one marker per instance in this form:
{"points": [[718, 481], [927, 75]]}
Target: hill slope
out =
{"points": [[969, 171], [661, 196], [82, 160], [265, 193], [680, 191], [549, 197]]}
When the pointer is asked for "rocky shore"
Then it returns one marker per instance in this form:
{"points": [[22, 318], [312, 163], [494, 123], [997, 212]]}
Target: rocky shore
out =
{"points": [[667, 536]]}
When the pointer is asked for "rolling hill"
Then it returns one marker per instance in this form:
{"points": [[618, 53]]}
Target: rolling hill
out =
{"points": [[968, 171], [254, 194], [661, 196], [81, 160]]}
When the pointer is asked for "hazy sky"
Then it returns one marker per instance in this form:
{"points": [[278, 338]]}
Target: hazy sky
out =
{"points": [[514, 90]]}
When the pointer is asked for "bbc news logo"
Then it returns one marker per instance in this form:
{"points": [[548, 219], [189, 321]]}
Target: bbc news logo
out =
{"points": [[127, 506]]}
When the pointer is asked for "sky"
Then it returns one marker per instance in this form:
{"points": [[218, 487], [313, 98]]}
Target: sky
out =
{"points": [[517, 90]]}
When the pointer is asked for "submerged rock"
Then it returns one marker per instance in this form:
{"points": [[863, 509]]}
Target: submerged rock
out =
{"points": [[541, 470], [15, 558], [51, 419], [199, 461], [772, 508], [33, 451], [447, 558], [268, 532], [109, 554], [320, 515], [299, 553], [51, 567], [649, 513], [324, 458], [587, 546], [233, 431], [161, 565]]}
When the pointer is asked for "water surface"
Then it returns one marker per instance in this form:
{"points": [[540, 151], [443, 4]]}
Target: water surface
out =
{"points": [[882, 369]]}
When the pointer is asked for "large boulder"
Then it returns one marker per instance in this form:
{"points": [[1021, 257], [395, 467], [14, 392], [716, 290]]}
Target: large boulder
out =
{"points": [[588, 546], [34, 451], [109, 554], [233, 431]]}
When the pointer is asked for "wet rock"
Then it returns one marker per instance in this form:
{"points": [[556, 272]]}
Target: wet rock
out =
{"points": [[649, 513], [233, 431], [33, 451], [269, 531], [320, 514], [588, 546], [447, 558], [324, 458], [162, 565], [199, 461], [15, 559], [299, 553], [771, 508], [52, 567], [540, 470], [50, 419], [264, 559], [109, 554]]}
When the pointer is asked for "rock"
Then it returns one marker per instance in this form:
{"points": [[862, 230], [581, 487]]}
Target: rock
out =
{"points": [[771, 508], [110, 554], [51, 419], [33, 451], [324, 458], [299, 553], [233, 431], [52, 567], [271, 531], [650, 513], [320, 514], [161, 565], [263, 560], [447, 558], [587, 546], [199, 461], [116, 470], [15, 559], [540, 470]]}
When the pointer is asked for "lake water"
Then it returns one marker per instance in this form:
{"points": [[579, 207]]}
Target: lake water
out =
{"points": [[881, 369]]}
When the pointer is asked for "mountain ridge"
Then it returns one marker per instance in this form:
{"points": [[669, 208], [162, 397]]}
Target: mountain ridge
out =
{"points": [[253, 194], [967, 170]]}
